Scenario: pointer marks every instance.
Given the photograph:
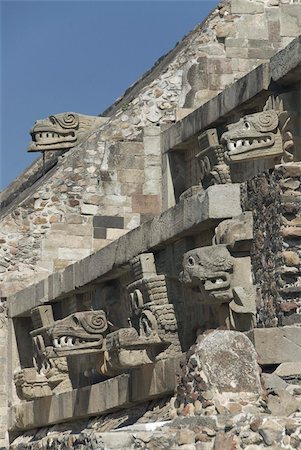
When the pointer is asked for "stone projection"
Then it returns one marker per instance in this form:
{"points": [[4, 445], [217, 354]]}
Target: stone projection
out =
{"points": [[151, 274], [62, 131]]}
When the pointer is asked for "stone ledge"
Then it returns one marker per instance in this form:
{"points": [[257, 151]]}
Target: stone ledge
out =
{"points": [[277, 345], [286, 65], [125, 390], [187, 217]]}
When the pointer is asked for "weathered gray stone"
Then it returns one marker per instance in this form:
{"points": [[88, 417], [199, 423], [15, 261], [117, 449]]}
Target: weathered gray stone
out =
{"points": [[289, 370], [272, 382], [283, 404], [236, 233], [277, 345], [246, 7], [271, 431], [290, 20], [229, 362], [285, 66]]}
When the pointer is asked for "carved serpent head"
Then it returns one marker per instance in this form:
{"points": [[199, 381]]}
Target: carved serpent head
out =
{"points": [[253, 136], [79, 331], [207, 271], [61, 131]]}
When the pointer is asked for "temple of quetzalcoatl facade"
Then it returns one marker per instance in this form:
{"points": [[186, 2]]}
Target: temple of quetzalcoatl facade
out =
{"points": [[151, 257]]}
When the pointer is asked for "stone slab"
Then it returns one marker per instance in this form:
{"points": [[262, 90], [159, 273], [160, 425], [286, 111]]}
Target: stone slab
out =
{"points": [[286, 65], [142, 384], [290, 20], [246, 7], [277, 345], [157, 379], [87, 401], [187, 217]]}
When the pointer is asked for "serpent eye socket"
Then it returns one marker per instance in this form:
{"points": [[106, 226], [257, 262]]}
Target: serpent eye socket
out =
{"points": [[76, 321], [191, 261], [247, 125]]}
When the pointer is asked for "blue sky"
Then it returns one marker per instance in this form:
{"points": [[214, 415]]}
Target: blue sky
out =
{"points": [[79, 56]]}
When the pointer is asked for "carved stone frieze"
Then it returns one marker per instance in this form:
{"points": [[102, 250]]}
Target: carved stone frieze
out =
{"points": [[30, 384], [153, 334], [62, 131]]}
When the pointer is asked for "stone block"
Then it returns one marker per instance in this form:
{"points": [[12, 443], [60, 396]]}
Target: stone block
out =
{"points": [[41, 293], [99, 244], [146, 204], [219, 65], [246, 7], [228, 360], [237, 42], [54, 285], [73, 254], [261, 53], [21, 301], [76, 229], [57, 239], [89, 210], [108, 222], [152, 141], [253, 22], [84, 402], [42, 316], [99, 233], [131, 148], [289, 370], [130, 175], [285, 66], [67, 279], [158, 379], [224, 30], [151, 187], [290, 20], [220, 203], [274, 30], [277, 345], [236, 52], [115, 233], [182, 112]]}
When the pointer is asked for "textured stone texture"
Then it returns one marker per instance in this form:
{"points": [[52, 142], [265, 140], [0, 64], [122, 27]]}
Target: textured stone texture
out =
{"points": [[229, 362], [111, 184], [103, 173], [277, 345]]}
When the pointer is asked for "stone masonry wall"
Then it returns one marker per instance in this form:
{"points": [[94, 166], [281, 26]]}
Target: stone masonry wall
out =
{"points": [[274, 198], [112, 182]]}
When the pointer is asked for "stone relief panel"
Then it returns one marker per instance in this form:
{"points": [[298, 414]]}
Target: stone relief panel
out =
{"points": [[153, 331], [62, 131], [134, 324]]}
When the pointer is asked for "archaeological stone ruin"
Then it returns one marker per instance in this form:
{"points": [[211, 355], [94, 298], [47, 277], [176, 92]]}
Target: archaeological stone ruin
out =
{"points": [[150, 261]]}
